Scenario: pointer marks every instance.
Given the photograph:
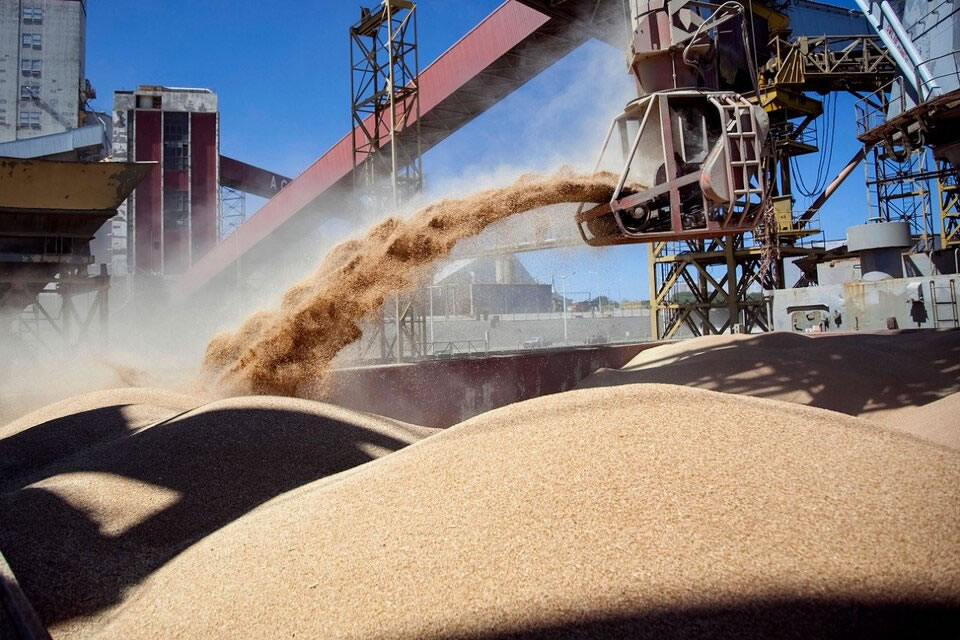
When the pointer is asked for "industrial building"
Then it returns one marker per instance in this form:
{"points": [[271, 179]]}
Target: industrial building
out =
{"points": [[487, 286], [42, 82], [171, 220], [706, 271], [57, 192]]}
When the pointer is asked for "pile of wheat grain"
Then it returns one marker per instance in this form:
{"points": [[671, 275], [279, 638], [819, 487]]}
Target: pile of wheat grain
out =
{"points": [[630, 511], [65, 428], [887, 379], [108, 499]]}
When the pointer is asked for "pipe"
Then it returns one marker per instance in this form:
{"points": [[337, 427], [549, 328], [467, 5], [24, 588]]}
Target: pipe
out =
{"points": [[894, 47], [833, 186], [914, 55]]}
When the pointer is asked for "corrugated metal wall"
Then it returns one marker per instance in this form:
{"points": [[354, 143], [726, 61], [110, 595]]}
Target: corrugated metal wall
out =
{"points": [[148, 212], [203, 186]]}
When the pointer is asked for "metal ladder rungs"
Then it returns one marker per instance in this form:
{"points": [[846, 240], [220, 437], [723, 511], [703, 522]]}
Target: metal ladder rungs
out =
{"points": [[951, 290]]}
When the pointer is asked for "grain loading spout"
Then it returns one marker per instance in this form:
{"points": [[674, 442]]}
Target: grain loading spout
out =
{"points": [[690, 136]]}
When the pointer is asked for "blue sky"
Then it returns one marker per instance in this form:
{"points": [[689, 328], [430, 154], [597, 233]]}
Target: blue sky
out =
{"points": [[281, 71]]}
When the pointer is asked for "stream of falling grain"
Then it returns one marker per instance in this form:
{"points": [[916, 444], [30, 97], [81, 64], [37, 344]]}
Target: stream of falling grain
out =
{"points": [[275, 352]]}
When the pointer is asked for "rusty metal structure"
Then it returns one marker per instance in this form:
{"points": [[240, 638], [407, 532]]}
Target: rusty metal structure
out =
{"points": [[49, 212], [694, 147], [908, 125], [696, 162], [707, 276]]}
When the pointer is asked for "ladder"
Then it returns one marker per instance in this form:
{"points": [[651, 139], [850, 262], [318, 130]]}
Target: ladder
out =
{"points": [[951, 304]]}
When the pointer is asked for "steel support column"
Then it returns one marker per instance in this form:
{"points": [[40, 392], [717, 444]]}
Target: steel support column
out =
{"points": [[54, 312], [398, 332], [949, 206]]}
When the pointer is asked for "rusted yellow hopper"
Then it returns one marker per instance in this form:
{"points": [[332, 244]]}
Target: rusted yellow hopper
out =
{"points": [[68, 186], [49, 212]]}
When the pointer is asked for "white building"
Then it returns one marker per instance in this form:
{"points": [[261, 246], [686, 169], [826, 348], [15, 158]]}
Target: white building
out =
{"points": [[42, 83]]}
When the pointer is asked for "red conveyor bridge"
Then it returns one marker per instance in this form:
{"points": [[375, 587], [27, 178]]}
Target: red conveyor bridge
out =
{"points": [[513, 44]]}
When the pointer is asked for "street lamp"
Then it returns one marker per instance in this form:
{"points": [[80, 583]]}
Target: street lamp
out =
{"points": [[564, 279]]}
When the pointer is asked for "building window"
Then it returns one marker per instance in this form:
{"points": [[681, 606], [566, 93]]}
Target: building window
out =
{"points": [[30, 68], [176, 156], [175, 126], [29, 91], [176, 209], [176, 143], [32, 15], [29, 120]]}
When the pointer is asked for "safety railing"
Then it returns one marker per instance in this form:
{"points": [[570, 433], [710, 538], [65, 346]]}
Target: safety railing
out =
{"points": [[788, 131], [828, 55], [873, 109], [947, 72], [452, 348], [897, 97]]}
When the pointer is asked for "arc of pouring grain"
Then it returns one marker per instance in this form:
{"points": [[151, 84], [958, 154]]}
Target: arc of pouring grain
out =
{"points": [[276, 352]]}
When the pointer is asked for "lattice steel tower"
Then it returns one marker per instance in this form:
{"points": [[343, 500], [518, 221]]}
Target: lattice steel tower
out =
{"points": [[385, 107], [387, 147]]}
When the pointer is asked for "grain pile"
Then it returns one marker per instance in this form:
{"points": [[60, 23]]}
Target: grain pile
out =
{"points": [[632, 511], [83, 529], [938, 421], [65, 428], [276, 352], [882, 378]]}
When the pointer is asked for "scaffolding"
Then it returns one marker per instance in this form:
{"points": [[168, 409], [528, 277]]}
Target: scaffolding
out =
{"points": [[399, 332], [233, 210], [385, 104], [900, 188], [949, 206], [387, 149], [52, 319]]}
